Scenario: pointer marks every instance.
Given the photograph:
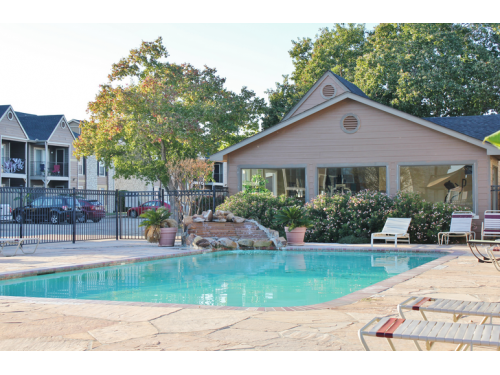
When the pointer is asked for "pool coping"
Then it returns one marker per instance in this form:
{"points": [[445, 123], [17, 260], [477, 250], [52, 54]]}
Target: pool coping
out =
{"points": [[341, 301]]}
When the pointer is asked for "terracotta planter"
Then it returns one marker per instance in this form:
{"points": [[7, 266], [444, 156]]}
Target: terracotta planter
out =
{"points": [[296, 236], [167, 236]]}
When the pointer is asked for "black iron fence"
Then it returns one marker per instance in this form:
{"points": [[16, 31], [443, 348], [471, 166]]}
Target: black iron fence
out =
{"points": [[59, 215]]}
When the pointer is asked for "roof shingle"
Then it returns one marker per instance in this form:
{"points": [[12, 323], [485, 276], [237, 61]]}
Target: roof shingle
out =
{"points": [[477, 127], [38, 127]]}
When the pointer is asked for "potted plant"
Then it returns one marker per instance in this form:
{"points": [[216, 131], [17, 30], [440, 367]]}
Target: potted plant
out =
{"points": [[159, 227], [296, 222]]}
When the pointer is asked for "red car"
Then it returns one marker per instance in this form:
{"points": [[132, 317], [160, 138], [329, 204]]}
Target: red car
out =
{"points": [[136, 211], [92, 210]]}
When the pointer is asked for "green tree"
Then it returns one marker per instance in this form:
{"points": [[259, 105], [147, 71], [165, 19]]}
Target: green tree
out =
{"points": [[166, 112], [433, 69], [336, 49]]}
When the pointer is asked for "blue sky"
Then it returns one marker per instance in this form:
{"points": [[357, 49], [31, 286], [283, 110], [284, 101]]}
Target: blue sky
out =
{"points": [[57, 68]]}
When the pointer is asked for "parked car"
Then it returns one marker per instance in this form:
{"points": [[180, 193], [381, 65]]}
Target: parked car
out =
{"points": [[136, 211], [54, 209], [5, 212], [92, 210]]}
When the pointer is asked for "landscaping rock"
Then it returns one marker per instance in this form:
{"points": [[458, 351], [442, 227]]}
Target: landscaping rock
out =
{"points": [[198, 219], [263, 243], [282, 241], [245, 243], [197, 239], [238, 219], [203, 243], [227, 243], [188, 240], [187, 220], [208, 216], [230, 216]]}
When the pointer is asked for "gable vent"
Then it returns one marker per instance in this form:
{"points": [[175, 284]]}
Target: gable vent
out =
{"points": [[350, 123], [10, 116], [328, 92]]}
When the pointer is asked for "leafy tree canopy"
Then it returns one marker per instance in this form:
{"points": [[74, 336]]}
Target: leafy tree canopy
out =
{"points": [[166, 112], [422, 69]]}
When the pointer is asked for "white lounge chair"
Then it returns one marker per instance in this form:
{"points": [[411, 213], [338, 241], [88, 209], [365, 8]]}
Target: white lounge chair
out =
{"points": [[19, 242], [464, 334], [456, 307], [461, 226], [493, 257], [394, 229], [491, 224]]}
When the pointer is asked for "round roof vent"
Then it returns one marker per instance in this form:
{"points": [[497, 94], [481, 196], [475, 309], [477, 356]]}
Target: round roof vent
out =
{"points": [[350, 123], [10, 116], [63, 124], [328, 91]]}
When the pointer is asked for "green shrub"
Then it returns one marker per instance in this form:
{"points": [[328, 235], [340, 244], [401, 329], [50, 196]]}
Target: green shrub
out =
{"points": [[341, 216], [261, 207], [427, 219], [292, 217]]}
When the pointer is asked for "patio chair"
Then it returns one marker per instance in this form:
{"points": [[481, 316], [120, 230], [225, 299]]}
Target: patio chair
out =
{"points": [[464, 334], [449, 306], [57, 169], [19, 242], [491, 224], [394, 229], [493, 258], [461, 226]]}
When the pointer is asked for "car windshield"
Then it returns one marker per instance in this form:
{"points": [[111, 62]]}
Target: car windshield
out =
{"points": [[68, 201], [95, 203]]}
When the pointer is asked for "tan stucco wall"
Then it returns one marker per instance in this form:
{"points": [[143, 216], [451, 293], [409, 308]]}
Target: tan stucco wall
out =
{"points": [[381, 139]]}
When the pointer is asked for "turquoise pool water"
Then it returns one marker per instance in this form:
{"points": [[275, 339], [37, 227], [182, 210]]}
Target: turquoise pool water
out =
{"points": [[232, 278]]}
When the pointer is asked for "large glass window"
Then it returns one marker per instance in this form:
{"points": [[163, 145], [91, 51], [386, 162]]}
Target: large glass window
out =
{"points": [[439, 183], [351, 179], [280, 181]]}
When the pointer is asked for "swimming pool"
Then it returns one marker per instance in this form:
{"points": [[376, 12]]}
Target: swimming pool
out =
{"points": [[250, 278]]}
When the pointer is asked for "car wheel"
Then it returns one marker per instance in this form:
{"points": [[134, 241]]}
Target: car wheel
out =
{"points": [[82, 219], [133, 214], [18, 218], [96, 220], [54, 218]]}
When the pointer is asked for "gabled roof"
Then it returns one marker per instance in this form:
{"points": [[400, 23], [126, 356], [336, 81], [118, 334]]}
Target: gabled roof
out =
{"points": [[348, 86], [478, 127], [491, 150], [39, 127], [3, 109]]}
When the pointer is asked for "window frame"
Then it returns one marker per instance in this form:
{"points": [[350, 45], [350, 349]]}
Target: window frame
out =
{"points": [[474, 164], [269, 166], [353, 165]]}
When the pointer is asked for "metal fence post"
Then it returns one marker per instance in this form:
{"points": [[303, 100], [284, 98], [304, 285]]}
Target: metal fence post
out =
{"points": [[163, 197], [22, 212], [213, 199], [117, 209], [73, 214]]}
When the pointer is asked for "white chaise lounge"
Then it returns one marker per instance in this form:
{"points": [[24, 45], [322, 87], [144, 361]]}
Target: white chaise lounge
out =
{"points": [[449, 306], [491, 224], [394, 229], [461, 226], [464, 334], [19, 242]]}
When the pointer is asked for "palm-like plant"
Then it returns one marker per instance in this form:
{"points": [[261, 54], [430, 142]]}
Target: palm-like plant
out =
{"points": [[153, 221], [293, 217]]}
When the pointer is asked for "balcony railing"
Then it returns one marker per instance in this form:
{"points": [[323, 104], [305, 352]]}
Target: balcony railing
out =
{"points": [[37, 168], [13, 165]]}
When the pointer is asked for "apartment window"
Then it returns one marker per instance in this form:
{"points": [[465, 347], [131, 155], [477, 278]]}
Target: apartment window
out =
{"points": [[218, 172], [81, 166], [280, 181], [449, 183], [337, 180], [101, 169]]}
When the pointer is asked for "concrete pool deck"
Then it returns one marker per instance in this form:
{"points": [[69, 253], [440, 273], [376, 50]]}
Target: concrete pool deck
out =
{"points": [[58, 324]]}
